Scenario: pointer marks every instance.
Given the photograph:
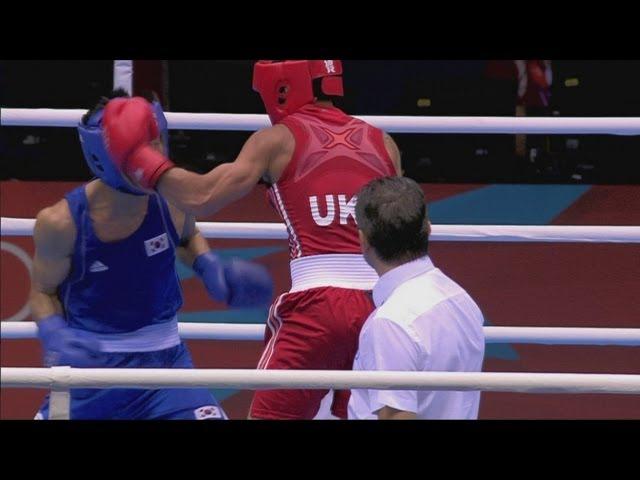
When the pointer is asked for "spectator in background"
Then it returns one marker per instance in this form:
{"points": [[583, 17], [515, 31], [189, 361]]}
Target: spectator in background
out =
{"points": [[534, 83], [534, 79], [534, 93]]}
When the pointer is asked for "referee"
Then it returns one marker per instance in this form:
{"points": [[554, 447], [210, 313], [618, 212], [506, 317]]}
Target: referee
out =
{"points": [[423, 320]]}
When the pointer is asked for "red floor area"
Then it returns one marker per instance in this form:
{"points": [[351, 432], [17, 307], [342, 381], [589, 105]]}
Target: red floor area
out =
{"points": [[572, 285]]}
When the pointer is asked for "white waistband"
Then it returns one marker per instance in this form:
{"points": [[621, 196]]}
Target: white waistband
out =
{"points": [[335, 270], [151, 338]]}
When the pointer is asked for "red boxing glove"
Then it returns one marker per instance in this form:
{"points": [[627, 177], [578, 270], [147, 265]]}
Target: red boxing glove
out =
{"points": [[129, 128]]}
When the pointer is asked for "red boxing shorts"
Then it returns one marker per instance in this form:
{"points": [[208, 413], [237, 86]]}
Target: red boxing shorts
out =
{"points": [[315, 329]]}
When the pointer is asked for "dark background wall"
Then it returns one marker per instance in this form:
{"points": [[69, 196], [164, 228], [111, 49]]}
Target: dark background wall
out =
{"points": [[460, 87]]}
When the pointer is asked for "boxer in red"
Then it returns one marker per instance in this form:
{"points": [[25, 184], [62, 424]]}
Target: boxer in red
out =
{"points": [[315, 159]]}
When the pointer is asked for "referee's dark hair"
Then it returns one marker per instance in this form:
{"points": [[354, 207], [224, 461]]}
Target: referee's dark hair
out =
{"points": [[391, 212]]}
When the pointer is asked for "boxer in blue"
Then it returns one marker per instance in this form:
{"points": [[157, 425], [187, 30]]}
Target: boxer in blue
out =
{"points": [[105, 292]]}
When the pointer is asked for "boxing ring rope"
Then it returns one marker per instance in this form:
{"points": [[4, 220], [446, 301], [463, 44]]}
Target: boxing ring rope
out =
{"points": [[442, 233], [62, 378], [628, 337], [48, 117]]}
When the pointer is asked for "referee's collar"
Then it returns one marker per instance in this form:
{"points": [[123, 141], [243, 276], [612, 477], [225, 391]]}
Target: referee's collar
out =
{"points": [[388, 282]]}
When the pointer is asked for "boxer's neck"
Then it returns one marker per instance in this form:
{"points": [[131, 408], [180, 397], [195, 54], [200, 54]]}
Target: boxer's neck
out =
{"points": [[115, 203]]}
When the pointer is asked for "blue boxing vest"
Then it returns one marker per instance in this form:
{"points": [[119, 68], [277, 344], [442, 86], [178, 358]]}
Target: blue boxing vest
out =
{"points": [[123, 286]]}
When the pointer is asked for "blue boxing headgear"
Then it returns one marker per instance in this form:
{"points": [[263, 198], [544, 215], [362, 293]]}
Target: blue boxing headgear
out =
{"points": [[97, 157]]}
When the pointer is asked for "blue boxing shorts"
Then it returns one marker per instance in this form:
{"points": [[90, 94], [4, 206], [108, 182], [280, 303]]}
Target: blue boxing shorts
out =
{"points": [[138, 404]]}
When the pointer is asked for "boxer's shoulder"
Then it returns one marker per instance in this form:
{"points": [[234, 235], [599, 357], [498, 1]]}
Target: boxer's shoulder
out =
{"points": [[393, 151], [55, 226], [270, 149], [275, 138]]}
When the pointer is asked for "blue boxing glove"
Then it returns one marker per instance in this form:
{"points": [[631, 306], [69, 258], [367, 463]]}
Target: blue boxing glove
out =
{"points": [[65, 346], [236, 282]]}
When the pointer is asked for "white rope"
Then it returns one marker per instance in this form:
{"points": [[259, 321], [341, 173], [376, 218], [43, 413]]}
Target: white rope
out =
{"points": [[318, 379], [48, 117], [439, 233], [563, 335], [255, 332]]}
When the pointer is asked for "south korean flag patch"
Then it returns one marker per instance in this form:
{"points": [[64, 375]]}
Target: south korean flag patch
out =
{"points": [[208, 412], [156, 245]]}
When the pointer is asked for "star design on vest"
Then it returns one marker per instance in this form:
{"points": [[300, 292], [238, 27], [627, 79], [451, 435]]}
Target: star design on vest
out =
{"points": [[337, 139]]}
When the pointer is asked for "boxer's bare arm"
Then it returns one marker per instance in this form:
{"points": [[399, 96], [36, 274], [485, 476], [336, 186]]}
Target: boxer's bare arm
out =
{"points": [[394, 153], [195, 246], [192, 243], [205, 194], [54, 237]]}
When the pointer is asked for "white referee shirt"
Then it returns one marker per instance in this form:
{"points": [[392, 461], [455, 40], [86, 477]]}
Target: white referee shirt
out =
{"points": [[423, 322]]}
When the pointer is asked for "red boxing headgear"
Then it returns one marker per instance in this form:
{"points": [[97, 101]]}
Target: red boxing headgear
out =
{"points": [[286, 86]]}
